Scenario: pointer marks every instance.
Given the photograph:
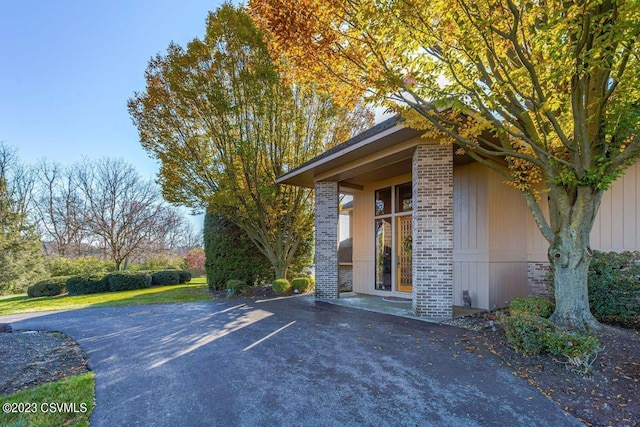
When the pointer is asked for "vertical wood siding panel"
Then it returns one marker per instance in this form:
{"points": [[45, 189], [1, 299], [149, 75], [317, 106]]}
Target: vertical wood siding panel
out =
{"points": [[617, 214], [473, 211], [629, 209], [605, 221]]}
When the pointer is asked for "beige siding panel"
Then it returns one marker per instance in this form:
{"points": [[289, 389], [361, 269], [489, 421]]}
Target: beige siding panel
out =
{"points": [[617, 214], [596, 229], [629, 209], [616, 227], [537, 245], [637, 204], [489, 252], [362, 234], [617, 224], [470, 208], [460, 191], [507, 214], [363, 276], [605, 222], [507, 280], [473, 277], [361, 219]]}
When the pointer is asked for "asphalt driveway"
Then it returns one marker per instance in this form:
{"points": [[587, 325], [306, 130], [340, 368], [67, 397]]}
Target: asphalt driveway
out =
{"points": [[291, 362]]}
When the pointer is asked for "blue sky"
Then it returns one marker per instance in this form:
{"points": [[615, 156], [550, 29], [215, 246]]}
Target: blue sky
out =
{"points": [[68, 68]]}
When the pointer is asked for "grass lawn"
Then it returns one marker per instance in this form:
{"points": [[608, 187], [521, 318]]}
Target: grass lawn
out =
{"points": [[66, 402], [196, 290]]}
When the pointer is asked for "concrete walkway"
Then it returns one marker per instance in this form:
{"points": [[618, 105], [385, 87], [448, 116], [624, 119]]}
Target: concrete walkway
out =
{"points": [[290, 362]]}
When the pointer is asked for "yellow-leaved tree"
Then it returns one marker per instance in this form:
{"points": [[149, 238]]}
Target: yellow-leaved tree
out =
{"points": [[225, 125], [544, 92]]}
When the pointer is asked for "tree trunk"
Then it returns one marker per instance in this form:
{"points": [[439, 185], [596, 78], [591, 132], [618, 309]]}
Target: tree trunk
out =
{"points": [[280, 269], [570, 265], [572, 212]]}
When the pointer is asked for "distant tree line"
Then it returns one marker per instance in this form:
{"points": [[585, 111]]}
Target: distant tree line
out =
{"points": [[102, 208]]}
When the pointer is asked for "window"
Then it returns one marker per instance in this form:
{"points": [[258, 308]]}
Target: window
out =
{"points": [[383, 201], [393, 238], [404, 197]]}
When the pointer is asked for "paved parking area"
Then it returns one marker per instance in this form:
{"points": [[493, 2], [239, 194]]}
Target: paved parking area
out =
{"points": [[290, 362]]}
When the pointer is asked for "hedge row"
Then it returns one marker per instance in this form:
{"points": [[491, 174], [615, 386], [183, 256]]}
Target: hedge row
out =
{"points": [[112, 282], [49, 287]]}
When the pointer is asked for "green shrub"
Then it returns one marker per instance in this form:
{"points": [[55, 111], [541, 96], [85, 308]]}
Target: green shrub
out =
{"points": [[158, 262], [302, 284], [532, 306], [528, 334], [230, 253], [48, 288], [572, 344], [125, 281], [281, 286], [165, 278], [532, 335], [185, 276], [579, 350], [61, 266], [238, 287], [614, 285], [88, 284]]}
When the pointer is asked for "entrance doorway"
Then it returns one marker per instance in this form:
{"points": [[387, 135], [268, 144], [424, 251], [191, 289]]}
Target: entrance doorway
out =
{"points": [[393, 241], [404, 252]]}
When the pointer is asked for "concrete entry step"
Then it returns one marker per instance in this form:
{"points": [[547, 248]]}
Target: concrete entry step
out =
{"points": [[395, 306]]}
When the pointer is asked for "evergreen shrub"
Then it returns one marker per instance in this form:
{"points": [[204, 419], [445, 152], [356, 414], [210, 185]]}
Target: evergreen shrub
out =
{"points": [[238, 287], [125, 281], [302, 284], [614, 286], [185, 276], [281, 286], [230, 253], [533, 306], [533, 335], [48, 287], [165, 278], [87, 284], [528, 334]]}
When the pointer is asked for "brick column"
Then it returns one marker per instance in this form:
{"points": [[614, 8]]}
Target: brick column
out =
{"points": [[326, 257], [433, 231]]}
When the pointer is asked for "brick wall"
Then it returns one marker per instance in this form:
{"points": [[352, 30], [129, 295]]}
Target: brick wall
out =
{"points": [[537, 271], [433, 231], [326, 257]]}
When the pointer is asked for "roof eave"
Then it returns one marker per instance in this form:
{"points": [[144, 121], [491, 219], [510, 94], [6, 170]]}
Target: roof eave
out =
{"points": [[303, 176]]}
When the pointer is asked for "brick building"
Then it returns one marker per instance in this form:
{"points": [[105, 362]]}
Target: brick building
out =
{"points": [[429, 224]]}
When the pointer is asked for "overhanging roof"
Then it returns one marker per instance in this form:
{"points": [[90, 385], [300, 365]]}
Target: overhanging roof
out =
{"points": [[383, 135]]}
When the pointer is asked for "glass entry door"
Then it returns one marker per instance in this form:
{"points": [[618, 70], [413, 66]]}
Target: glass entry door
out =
{"points": [[403, 249], [393, 244]]}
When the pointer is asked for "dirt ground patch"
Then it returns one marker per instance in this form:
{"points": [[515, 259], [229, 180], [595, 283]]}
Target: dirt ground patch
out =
{"points": [[32, 358], [609, 395]]}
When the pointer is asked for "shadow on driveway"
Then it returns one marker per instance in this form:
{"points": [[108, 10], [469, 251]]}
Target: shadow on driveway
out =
{"points": [[291, 362]]}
